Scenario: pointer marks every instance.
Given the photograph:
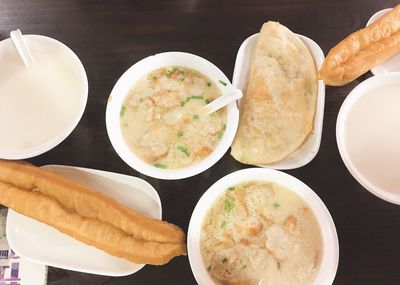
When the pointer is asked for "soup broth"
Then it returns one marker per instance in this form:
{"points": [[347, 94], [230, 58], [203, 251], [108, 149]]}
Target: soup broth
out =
{"points": [[162, 120], [261, 233]]}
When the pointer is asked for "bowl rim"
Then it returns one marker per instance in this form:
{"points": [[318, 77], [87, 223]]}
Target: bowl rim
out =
{"points": [[62, 135], [354, 95], [125, 83], [330, 259]]}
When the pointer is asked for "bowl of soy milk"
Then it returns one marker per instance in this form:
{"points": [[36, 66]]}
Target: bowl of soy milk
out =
{"points": [[368, 135], [40, 105]]}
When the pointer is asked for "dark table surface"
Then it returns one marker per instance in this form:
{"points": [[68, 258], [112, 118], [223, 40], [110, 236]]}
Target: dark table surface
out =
{"points": [[110, 36]]}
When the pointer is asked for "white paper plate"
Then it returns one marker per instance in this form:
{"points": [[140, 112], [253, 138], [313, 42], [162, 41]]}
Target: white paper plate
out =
{"points": [[17, 269], [392, 64], [40, 243], [330, 255], [310, 148]]}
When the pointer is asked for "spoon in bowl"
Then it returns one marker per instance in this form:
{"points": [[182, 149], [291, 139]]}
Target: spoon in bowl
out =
{"points": [[22, 49], [222, 101]]}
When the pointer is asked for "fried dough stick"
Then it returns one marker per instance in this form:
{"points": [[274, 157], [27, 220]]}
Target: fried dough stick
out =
{"points": [[88, 230], [362, 50], [88, 203]]}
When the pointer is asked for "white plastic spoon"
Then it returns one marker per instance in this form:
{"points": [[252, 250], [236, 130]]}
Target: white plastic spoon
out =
{"points": [[23, 51], [222, 101]]}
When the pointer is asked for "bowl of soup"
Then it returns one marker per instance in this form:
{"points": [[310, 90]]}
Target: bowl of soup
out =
{"points": [[156, 121], [368, 138], [42, 105], [262, 226]]}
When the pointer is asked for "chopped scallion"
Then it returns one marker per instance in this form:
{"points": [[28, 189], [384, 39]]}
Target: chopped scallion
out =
{"points": [[229, 205], [183, 149], [122, 111], [195, 117], [180, 133], [223, 224], [276, 205], [222, 82], [160, 165], [194, 97]]}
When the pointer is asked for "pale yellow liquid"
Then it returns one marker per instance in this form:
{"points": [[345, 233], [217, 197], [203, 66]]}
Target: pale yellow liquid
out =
{"points": [[373, 137], [37, 105]]}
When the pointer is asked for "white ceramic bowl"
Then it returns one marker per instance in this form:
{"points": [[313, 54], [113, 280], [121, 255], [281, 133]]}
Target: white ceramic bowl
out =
{"points": [[44, 43], [310, 147], [379, 185], [136, 72], [393, 63], [330, 257]]}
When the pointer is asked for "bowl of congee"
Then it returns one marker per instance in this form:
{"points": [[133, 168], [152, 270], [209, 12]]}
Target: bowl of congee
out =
{"points": [[156, 118], [260, 227]]}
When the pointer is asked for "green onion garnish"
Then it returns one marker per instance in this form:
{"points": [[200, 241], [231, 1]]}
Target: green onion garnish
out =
{"points": [[122, 111], [194, 97], [160, 165], [195, 117], [229, 204], [180, 133], [209, 84], [183, 149], [223, 224], [231, 188], [276, 205], [222, 82]]}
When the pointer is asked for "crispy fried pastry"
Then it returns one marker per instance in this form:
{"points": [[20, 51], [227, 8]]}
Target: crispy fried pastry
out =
{"points": [[278, 107], [362, 50], [87, 215], [88, 203]]}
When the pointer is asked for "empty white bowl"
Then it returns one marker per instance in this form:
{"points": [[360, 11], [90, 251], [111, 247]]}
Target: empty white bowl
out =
{"points": [[330, 256], [65, 66], [135, 73]]}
